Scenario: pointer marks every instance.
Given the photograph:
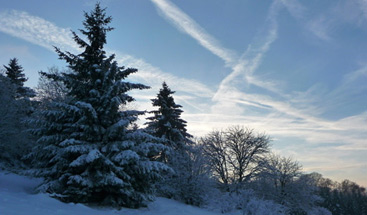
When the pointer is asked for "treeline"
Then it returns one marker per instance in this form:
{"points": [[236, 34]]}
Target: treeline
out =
{"points": [[76, 130]]}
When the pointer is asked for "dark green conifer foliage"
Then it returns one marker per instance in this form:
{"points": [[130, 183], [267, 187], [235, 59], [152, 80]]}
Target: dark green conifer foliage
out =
{"points": [[87, 151], [166, 122], [15, 73]]}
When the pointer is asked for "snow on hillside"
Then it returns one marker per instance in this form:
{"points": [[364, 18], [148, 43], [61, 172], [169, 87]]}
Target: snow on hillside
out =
{"points": [[16, 198]]}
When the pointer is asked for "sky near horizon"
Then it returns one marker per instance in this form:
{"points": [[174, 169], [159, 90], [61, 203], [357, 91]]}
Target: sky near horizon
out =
{"points": [[296, 70]]}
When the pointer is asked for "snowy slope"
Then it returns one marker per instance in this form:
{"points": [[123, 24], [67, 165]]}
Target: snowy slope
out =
{"points": [[16, 198]]}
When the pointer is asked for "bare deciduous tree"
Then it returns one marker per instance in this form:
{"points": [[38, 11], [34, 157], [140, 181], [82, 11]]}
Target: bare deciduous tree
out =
{"points": [[236, 153], [49, 89], [245, 150], [282, 171], [216, 150]]}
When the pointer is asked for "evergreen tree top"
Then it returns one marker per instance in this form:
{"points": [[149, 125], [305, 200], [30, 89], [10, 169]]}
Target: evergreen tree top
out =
{"points": [[167, 121], [165, 100], [92, 72], [15, 72], [96, 25]]}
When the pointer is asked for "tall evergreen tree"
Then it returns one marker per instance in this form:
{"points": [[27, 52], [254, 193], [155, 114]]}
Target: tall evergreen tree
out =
{"points": [[88, 151], [15, 73], [188, 180], [166, 122]]}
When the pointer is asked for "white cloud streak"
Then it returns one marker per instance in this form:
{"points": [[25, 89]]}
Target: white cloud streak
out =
{"points": [[295, 8], [327, 24], [153, 76], [187, 25], [35, 30], [321, 28]]}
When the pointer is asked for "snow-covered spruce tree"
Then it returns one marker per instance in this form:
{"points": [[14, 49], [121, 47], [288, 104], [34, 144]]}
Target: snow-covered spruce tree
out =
{"points": [[87, 151], [166, 122], [190, 180]]}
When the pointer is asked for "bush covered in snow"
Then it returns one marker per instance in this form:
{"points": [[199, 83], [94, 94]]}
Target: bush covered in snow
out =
{"points": [[16, 106]]}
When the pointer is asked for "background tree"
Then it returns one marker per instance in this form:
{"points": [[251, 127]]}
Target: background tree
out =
{"points": [[16, 107], [282, 171], [15, 73], [88, 150], [189, 180], [216, 150], [14, 138], [283, 181], [48, 89], [166, 122], [236, 154], [246, 151], [346, 197]]}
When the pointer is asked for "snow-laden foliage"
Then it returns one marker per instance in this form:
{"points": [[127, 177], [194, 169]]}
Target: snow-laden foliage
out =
{"points": [[88, 150], [190, 182], [282, 181], [15, 108], [225, 202], [246, 201], [261, 207], [48, 89], [318, 211]]}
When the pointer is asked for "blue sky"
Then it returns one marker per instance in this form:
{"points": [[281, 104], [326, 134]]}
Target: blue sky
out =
{"points": [[296, 70]]}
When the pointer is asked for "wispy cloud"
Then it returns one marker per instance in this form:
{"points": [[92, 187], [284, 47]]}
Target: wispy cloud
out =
{"points": [[187, 25], [154, 76], [46, 34], [191, 92], [295, 8], [363, 7], [35, 30], [252, 57], [239, 65], [329, 22], [321, 27]]}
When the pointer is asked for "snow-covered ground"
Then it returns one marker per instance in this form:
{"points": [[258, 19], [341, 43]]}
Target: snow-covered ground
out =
{"points": [[16, 198]]}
